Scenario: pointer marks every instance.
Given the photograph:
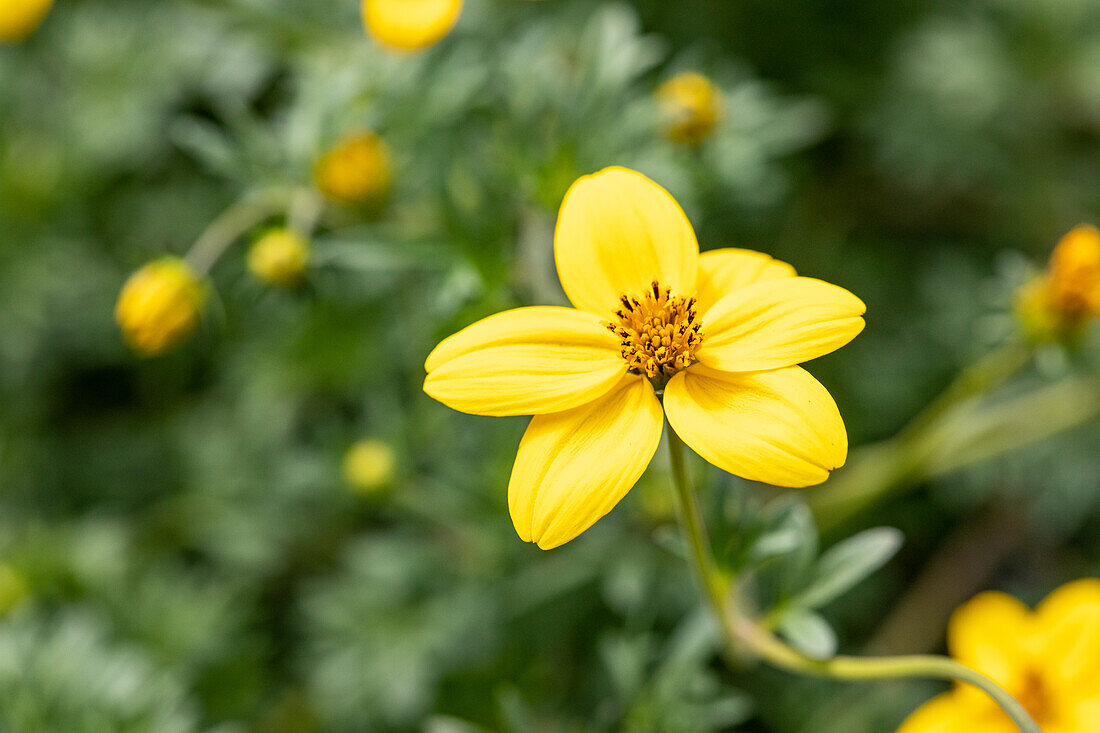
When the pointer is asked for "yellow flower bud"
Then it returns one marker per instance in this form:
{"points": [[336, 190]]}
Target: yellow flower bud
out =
{"points": [[369, 465], [160, 306], [13, 588], [1056, 304], [410, 25], [1075, 273], [690, 106], [20, 18], [356, 171], [279, 258]]}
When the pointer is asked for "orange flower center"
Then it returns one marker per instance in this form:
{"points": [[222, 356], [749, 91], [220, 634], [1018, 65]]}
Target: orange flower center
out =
{"points": [[660, 332], [1035, 697]]}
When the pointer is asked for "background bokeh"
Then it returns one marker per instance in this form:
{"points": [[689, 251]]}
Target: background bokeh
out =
{"points": [[180, 549]]}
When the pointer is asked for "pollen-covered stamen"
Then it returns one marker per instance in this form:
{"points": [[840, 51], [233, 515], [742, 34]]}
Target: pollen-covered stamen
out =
{"points": [[660, 332]]}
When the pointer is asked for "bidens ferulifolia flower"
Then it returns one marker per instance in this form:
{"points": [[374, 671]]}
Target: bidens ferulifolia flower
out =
{"points": [[1060, 301], [1048, 659], [410, 25], [279, 257], [690, 106], [20, 18], [719, 333], [160, 306], [369, 465], [356, 171]]}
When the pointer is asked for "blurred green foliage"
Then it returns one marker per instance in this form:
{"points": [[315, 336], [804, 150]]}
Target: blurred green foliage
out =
{"points": [[179, 549]]}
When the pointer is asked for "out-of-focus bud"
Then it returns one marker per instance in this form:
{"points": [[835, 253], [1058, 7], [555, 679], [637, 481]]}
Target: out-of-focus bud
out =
{"points": [[369, 465], [20, 18], [356, 171], [279, 257], [410, 25], [1075, 273], [1056, 304], [13, 588], [160, 306], [690, 106]]}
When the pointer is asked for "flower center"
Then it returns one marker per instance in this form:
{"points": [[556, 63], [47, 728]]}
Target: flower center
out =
{"points": [[1035, 697], [660, 332]]}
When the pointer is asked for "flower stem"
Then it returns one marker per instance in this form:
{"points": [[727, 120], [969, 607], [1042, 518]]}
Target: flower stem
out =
{"points": [[884, 468], [230, 225], [741, 632]]}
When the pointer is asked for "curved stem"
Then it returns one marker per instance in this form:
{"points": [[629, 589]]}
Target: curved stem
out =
{"points": [[741, 632], [230, 225]]}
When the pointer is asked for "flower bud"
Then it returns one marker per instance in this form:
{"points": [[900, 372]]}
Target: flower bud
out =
{"points": [[20, 18], [160, 306], [1075, 274], [356, 171], [690, 106], [279, 258], [1056, 304], [410, 25], [369, 465]]}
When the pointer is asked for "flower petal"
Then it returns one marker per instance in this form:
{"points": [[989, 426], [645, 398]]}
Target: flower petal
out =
{"points": [[526, 361], [410, 25], [952, 712], [991, 634], [722, 271], [617, 232], [573, 467], [779, 427], [1070, 622], [779, 323]]}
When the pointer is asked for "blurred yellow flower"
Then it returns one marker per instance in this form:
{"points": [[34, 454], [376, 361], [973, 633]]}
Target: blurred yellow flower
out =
{"points": [[355, 171], [410, 25], [1048, 659], [13, 589], [1060, 300], [1075, 273], [690, 106], [20, 18], [369, 465], [279, 258], [160, 306], [718, 334]]}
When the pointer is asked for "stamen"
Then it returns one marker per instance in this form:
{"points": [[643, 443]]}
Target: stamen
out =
{"points": [[659, 332]]}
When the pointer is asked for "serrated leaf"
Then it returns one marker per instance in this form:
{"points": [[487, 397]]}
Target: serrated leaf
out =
{"points": [[809, 632], [847, 563]]}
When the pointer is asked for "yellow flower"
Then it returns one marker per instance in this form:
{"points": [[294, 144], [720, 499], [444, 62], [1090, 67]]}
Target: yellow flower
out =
{"points": [[719, 334], [368, 465], [410, 25], [1057, 303], [690, 105], [1048, 659], [159, 306], [279, 257], [20, 18], [355, 171], [1075, 273]]}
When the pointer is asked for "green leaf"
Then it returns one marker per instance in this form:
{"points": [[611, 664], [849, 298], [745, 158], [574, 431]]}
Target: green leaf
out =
{"points": [[809, 632], [847, 563]]}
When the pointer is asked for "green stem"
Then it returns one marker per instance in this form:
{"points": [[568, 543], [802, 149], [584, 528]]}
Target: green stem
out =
{"points": [[229, 226], [984, 375], [878, 470], [744, 633]]}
